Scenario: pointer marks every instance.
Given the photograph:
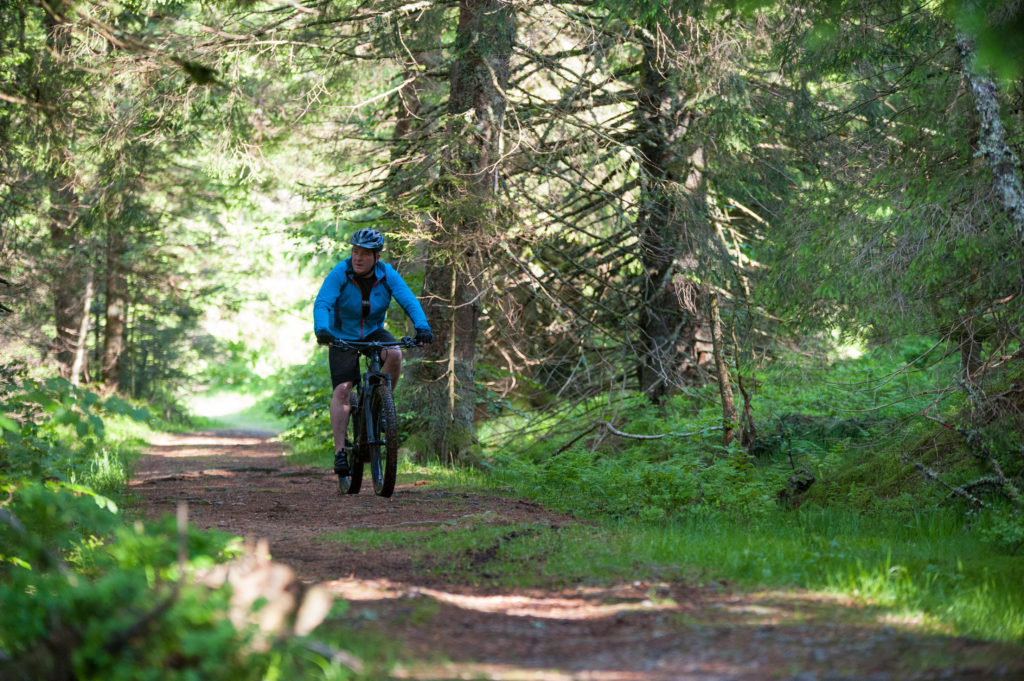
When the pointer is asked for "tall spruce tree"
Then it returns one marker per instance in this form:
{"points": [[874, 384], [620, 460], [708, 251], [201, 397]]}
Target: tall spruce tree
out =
{"points": [[466, 212]]}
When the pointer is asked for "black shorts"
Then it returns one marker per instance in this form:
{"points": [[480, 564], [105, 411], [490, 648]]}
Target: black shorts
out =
{"points": [[345, 363]]}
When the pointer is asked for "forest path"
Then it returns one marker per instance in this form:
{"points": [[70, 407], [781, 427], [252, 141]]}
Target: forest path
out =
{"points": [[241, 482]]}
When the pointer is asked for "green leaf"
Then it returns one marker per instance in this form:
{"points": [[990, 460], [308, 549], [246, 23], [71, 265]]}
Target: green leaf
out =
{"points": [[89, 398], [97, 424]]}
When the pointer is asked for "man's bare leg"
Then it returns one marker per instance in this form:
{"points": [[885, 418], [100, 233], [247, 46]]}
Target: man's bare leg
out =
{"points": [[392, 365], [339, 413]]}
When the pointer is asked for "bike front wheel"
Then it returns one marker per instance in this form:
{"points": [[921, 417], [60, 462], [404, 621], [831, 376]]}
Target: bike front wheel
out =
{"points": [[383, 441]]}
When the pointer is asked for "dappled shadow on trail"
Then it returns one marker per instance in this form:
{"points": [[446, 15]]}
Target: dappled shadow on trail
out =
{"points": [[239, 482], [656, 632]]}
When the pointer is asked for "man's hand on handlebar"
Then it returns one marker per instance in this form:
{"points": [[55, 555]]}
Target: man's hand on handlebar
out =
{"points": [[424, 337], [324, 338]]}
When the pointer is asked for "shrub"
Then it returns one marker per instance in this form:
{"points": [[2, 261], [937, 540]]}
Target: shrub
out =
{"points": [[53, 430], [303, 399], [125, 612]]}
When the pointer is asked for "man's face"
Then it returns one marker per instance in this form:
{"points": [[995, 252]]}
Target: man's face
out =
{"points": [[363, 260]]}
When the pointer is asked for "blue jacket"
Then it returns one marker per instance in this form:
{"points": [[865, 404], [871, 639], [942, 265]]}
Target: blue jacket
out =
{"points": [[338, 309]]}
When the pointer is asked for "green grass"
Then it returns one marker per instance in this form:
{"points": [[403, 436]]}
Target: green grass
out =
{"points": [[917, 567], [440, 543], [872, 527], [108, 468], [452, 479]]}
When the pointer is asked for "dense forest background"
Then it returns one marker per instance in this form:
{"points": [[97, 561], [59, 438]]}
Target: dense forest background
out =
{"points": [[707, 255]]}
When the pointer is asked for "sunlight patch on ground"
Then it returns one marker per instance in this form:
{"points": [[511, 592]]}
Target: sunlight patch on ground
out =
{"points": [[503, 672], [515, 605], [795, 595], [746, 609], [759, 608], [795, 605], [559, 608], [912, 621]]}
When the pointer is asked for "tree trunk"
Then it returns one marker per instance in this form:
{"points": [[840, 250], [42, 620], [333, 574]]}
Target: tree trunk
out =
{"points": [[469, 172], [69, 265], [729, 416], [446, 371], [66, 280], [116, 311], [992, 143], [671, 317], [80, 363], [421, 57], [407, 173], [1007, 185]]}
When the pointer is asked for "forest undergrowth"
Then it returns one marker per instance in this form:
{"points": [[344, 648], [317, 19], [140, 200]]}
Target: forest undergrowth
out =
{"points": [[845, 488], [89, 589]]}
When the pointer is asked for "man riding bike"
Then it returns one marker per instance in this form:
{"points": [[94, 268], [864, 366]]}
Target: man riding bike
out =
{"points": [[351, 305]]}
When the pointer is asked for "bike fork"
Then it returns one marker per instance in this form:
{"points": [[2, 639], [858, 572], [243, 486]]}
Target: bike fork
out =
{"points": [[368, 420]]}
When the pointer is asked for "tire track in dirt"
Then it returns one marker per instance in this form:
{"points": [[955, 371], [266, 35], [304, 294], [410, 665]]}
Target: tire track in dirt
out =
{"points": [[241, 482]]}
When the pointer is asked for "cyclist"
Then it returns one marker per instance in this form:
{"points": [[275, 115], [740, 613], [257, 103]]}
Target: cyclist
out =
{"points": [[351, 305]]}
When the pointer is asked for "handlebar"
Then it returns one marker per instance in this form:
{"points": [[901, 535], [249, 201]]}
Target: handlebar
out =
{"points": [[362, 346]]}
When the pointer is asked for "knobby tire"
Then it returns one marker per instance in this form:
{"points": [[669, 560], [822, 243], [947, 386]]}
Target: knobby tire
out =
{"points": [[383, 441]]}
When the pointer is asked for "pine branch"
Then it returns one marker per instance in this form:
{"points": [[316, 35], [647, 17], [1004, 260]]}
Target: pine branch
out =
{"points": [[953, 491], [618, 432]]}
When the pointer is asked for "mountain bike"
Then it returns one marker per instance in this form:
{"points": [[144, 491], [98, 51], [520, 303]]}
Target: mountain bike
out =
{"points": [[372, 421]]}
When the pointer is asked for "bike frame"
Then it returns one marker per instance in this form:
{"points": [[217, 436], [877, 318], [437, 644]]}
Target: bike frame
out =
{"points": [[371, 378]]}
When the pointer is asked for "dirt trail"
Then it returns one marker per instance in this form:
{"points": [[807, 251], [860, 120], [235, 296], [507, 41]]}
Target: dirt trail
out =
{"points": [[240, 482]]}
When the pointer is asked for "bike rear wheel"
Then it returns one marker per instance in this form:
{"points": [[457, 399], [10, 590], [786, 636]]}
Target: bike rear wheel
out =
{"points": [[383, 441], [350, 484]]}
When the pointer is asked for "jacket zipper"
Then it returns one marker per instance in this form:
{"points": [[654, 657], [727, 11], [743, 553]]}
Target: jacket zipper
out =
{"points": [[364, 312]]}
